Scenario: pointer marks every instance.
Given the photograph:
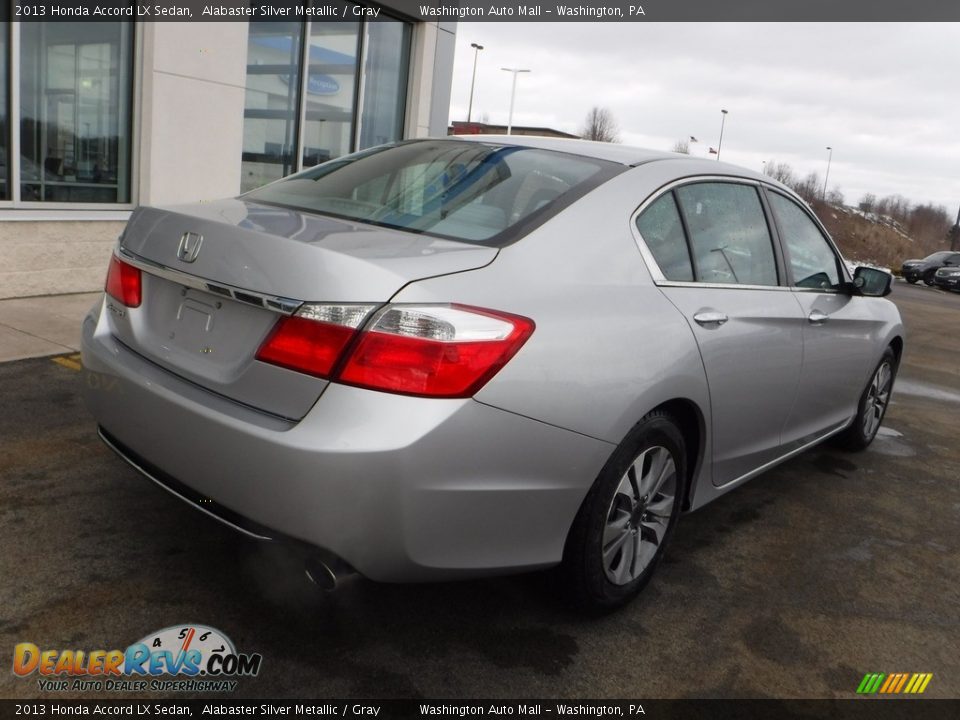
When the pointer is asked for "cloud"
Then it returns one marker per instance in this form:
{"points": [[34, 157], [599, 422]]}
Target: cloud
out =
{"points": [[883, 95]]}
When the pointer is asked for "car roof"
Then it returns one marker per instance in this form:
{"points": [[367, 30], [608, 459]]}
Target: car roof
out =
{"points": [[615, 152]]}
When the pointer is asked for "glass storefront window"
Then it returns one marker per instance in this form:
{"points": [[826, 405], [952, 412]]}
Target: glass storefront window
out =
{"points": [[385, 82], [271, 107], [301, 102], [4, 109], [75, 81], [330, 90]]}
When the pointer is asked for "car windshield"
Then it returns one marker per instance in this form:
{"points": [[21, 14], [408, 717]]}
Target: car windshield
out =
{"points": [[937, 256], [464, 190]]}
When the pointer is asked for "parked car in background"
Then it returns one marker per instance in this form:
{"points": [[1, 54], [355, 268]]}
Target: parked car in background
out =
{"points": [[459, 357], [926, 269], [947, 278]]}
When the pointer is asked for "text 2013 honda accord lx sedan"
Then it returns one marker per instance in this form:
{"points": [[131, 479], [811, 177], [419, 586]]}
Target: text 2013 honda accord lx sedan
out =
{"points": [[452, 358]]}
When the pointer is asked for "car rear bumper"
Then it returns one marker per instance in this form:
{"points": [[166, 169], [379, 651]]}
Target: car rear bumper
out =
{"points": [[401, 488], [947, 283]]}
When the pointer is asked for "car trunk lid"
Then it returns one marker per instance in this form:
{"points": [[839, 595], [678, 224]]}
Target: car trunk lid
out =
{"points": [[217, 277]]}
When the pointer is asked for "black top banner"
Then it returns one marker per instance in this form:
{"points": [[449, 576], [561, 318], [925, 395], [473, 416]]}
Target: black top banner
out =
{"points": [[471, 11]]}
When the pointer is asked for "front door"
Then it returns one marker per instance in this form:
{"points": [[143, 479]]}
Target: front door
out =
{"points": [[840, 334]]}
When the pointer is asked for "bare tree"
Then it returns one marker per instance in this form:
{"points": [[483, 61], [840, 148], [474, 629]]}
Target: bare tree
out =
{"points": [[809, 188], [681, 146], [868, 202], [896, 206], [835, 196], [781, 172], [600, 126]]}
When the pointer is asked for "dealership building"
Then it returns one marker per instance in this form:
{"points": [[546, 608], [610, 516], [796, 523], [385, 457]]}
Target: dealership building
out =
{"points": [[99, 117]]}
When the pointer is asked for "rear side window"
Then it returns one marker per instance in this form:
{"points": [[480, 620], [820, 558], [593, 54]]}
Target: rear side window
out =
{"points": [[812, 261], [729, 237], [662, 231], [471, 191]]}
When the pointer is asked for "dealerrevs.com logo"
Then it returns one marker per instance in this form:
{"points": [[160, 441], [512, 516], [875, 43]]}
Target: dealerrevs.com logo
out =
{"points": [[187, 658]]}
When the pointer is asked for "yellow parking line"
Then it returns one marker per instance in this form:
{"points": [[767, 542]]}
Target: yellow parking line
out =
{"points": [[72, 362]]}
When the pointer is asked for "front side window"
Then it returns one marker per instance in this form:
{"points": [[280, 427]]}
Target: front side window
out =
{"points": [[728, 231], [662, 232], [75, 81], [811, 259], [452, 188]]}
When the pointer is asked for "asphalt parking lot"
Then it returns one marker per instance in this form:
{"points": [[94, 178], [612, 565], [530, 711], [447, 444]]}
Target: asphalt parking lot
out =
{"points": [[795, 585]]}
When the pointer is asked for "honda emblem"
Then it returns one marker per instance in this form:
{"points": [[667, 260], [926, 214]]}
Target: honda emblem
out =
{"points": [[190, 243]]}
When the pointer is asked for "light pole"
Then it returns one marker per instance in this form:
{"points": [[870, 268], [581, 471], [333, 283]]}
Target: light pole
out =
{"points": [[476, 51], [827, 176], [723, 119], [513, 94], [954, 234]]}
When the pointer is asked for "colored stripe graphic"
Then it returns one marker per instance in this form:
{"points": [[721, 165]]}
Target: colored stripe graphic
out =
{"points": [[895, 683], [870, 683]]}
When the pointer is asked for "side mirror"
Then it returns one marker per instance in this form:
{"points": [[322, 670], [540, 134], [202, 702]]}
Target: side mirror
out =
{"points": [[872, 282]]}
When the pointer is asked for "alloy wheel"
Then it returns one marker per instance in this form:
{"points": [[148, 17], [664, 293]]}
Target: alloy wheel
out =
{"points": [[639, 515], [878, 396]]}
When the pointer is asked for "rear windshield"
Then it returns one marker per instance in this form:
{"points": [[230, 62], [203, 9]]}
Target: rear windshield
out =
{"points": [[464, 190]]}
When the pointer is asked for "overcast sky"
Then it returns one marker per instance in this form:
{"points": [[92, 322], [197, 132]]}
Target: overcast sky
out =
{"points": [[885, 96]]}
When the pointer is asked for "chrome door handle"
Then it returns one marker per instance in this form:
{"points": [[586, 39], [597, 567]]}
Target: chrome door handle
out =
{"points": [[817, 317], [710, 318]]}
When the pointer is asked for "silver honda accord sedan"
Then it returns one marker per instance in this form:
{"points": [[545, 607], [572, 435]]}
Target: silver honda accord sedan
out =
{"points": [[449, 358]]}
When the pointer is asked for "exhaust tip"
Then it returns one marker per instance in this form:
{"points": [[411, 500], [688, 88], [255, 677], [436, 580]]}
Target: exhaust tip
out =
{"points": [[321, 574]]}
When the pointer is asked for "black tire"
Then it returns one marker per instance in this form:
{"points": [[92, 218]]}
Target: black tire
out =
{"points": [[860, 434], [928, 277], [912, 281], [584, 573]]}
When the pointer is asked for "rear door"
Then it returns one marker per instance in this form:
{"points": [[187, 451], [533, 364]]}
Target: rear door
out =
{"points": [[711, 252], [841, 334]]}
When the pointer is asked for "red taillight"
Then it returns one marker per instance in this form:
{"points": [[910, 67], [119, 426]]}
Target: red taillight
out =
{"points": [[305, 345], [443, 351], [448, 351], [124, 282], [314, 339]]}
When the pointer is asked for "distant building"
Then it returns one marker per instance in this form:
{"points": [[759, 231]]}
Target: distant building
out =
{"points": [[458, 127], [99, 117]]}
